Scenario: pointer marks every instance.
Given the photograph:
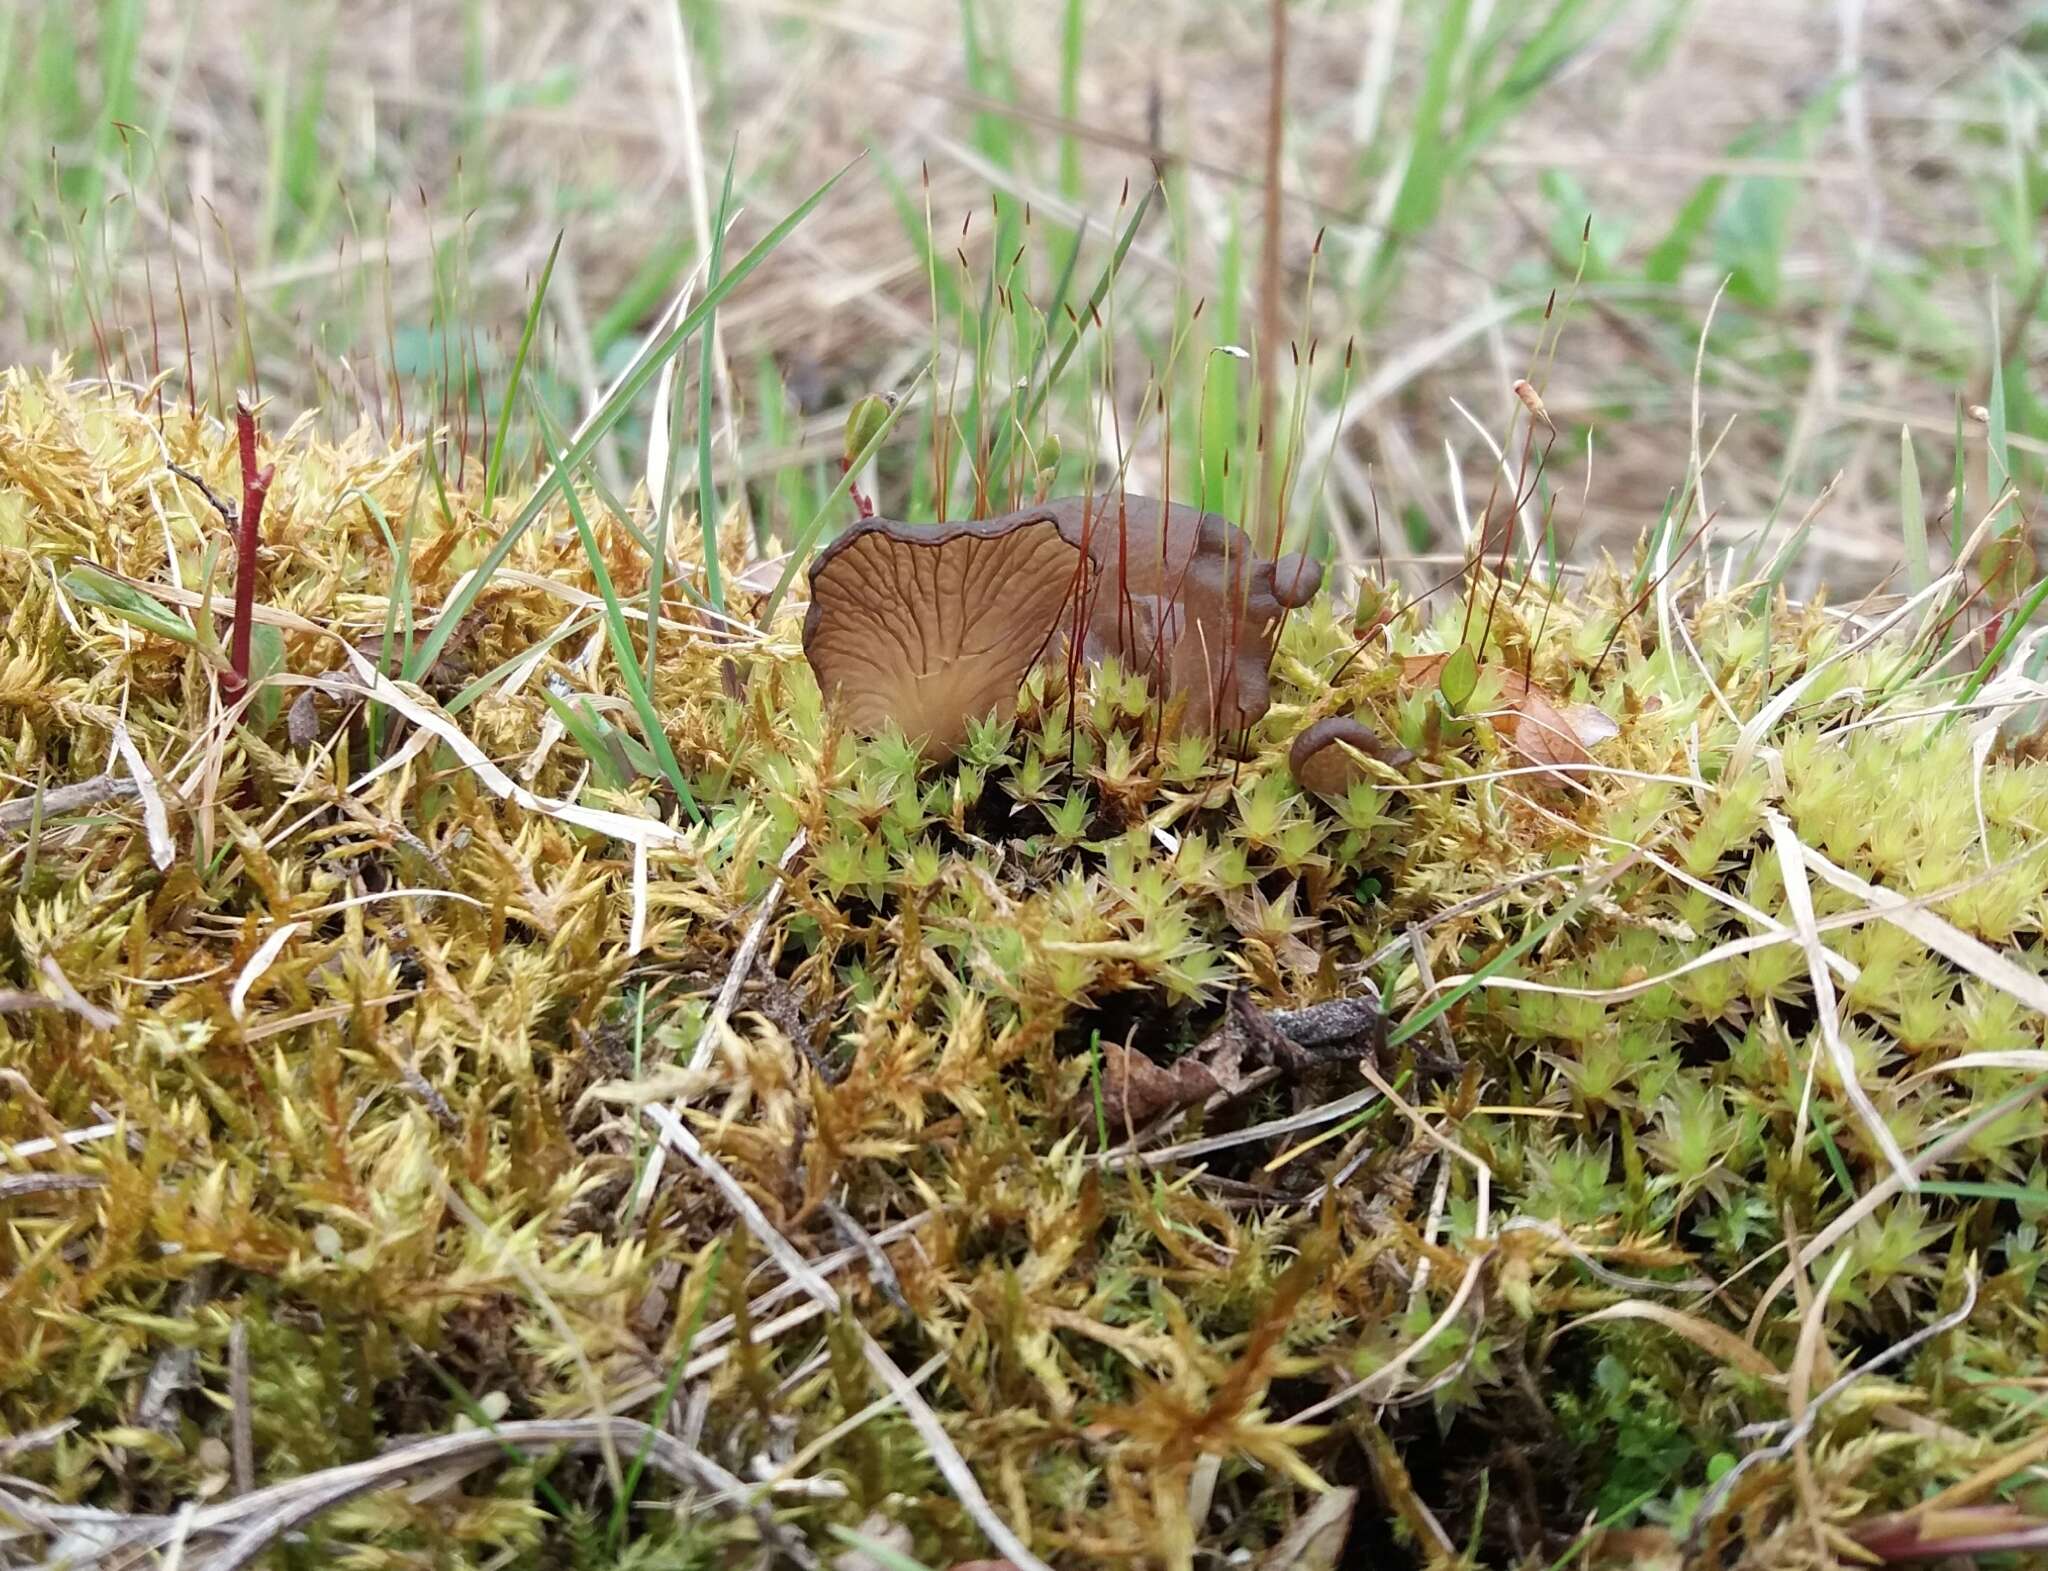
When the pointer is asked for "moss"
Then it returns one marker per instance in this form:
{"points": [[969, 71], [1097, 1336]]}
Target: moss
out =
{"points": [[396, 1145]]}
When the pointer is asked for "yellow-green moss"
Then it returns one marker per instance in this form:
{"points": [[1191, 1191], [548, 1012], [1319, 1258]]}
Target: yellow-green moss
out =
{"points": [[404, 1162]]}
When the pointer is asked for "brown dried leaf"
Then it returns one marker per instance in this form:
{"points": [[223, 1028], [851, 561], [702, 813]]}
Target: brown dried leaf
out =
{"points": [[1316, 1541], [1541, 732], [1532, 721], [758, 579], [1957, 1530], [1636, 1548], [1591, 724], [1135, 1090], [1422, 670]]}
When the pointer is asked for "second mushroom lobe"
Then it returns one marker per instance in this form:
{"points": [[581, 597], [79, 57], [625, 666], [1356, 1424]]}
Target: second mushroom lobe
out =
{"points": [[1180, 596]]}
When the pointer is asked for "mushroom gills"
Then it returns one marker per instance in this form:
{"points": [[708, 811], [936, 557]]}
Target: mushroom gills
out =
{"points": [[927, 629]]}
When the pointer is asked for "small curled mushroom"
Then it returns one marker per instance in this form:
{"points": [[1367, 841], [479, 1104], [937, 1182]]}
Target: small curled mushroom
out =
{"points": [[1320, 762]]}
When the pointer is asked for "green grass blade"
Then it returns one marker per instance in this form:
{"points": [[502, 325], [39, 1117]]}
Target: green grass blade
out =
{"points": [[1640, 579], [1912, 514], [1073, 33], [495, 467], [1422, 181], [646, 366], [1754, 550], [1428, 1015], [1056, 302], [1558, 38], [2016, 622], [668, 1394], [479, 1416], [118, 48], [441, 502], [991, 129], [1666, 260], [875, 1550], [707, 493], [504, 668], [1996, 443], [1023, 409], [1961, 486], [1095, 1083], [621, 640], [945, 293], [1971, 1189], [86, 582], [1781, 564], [1836, 1165], [398, 602], [644, 292], [588, 732], [306, 177]]}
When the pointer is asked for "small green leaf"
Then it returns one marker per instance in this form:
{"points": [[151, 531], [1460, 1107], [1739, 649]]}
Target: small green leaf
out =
{"points": [[124, 600], [588, 731], [266, 659], [880, 1553], [637, 753], [494, 466], [867, 420], [1459, 678]]}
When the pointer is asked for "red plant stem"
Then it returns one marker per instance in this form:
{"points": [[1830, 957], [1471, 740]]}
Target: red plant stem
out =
{"points": [[861, 500], [248, 536]]}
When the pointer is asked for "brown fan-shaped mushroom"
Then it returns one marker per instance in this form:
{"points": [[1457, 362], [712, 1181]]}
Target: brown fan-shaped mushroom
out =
{"points": [[1322, 759], [927, 628]]}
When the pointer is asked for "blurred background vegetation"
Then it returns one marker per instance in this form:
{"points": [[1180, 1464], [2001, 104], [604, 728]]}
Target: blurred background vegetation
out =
{"points": [[346, 208]]}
